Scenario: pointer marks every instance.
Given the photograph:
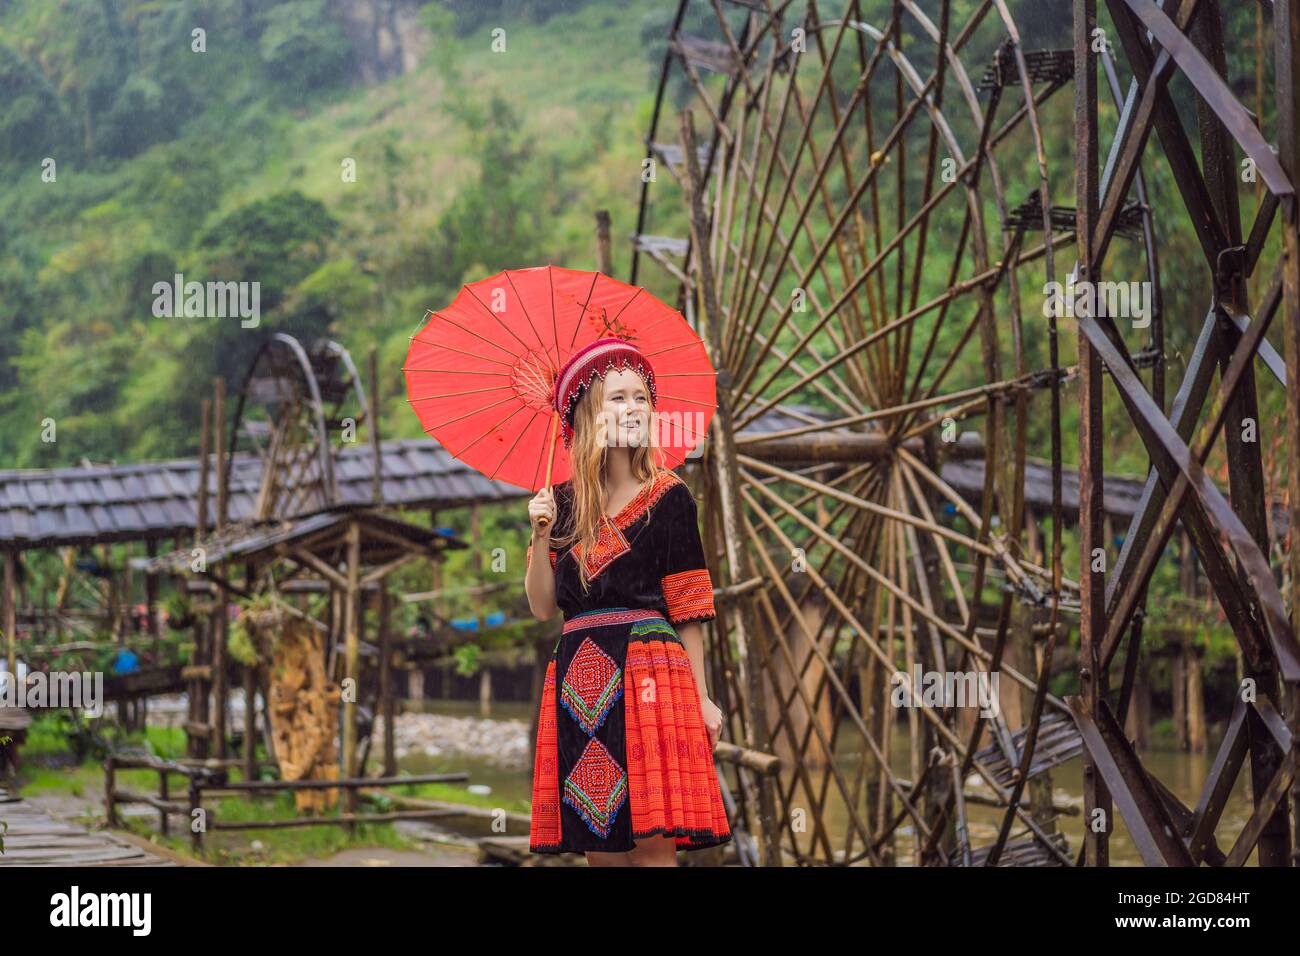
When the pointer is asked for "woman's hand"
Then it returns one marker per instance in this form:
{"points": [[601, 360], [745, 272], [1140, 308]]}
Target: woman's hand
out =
{"points": [[712, 720], [542, 506]]}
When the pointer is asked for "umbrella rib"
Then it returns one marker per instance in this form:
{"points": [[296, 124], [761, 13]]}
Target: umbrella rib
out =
{"points": [[483, 435], [438, 345], [662, 319], [632, 299], [466, 415], [555, 328], [577, 325], [532, 325], [537, 469], [513, 444], [672, 348], [531, 376], [496, 318], [683, 398], [468, 391], [686, 428], [454, 371], [477, 336]]}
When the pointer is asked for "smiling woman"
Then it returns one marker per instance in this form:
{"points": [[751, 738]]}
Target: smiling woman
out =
{"points": [[623, 769]]}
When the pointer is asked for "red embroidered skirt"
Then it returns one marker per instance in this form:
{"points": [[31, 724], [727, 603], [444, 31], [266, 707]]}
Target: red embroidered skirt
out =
{"points": [[622, 751]]}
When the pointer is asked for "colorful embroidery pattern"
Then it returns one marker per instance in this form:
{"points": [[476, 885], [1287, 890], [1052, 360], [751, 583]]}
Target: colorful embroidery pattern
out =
{"points": [[688, 595], [610, 544], [647, 629], [596, 788], [642, 765], [592, 685], [606, 616], [645, 499]]}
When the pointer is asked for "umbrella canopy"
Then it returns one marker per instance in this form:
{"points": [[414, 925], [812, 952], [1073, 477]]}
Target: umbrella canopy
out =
{"points": [[481, 373]]}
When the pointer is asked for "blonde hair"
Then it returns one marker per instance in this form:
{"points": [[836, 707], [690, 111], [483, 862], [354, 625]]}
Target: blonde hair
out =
{"points": [[587, 457]]}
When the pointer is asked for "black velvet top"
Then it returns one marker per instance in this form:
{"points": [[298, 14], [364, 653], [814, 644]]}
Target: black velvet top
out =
{"points": [[649, 555]]}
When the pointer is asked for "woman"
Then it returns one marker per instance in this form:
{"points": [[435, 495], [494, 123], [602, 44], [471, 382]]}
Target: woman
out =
{"points": [[625, 777]]}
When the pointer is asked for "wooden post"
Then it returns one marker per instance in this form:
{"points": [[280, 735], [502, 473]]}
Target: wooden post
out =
{"points": [[476, 559], [377, 488], [1094, 684], [739, 566], [1195, 698], [110, 791], [151, 604], [11, 615], [200, 745], [351, 602], [603, 258], [219, 443], [201, 516], [1178, 686], [1286, 65], [386, 702], [219, 630], [1137, 726], [250, 696]]}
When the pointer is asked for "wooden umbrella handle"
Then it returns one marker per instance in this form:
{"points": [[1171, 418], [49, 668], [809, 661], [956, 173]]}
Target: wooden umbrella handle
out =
{"points": [[550, 461]]}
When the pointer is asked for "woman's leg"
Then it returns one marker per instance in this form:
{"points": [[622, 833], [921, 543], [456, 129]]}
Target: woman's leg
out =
{"points": [[609, 859], [654, 851]]}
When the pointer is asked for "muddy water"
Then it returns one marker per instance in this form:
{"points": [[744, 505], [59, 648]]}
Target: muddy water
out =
{"points": [[1182, 773]]}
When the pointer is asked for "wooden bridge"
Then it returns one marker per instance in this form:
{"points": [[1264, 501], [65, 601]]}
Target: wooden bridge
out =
{"points": [[34, 838]]}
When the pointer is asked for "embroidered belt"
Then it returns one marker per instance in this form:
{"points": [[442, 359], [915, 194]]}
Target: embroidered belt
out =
{"points": [[606, 616]]}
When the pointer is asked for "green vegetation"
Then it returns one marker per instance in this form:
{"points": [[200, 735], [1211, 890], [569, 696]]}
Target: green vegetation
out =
{"points": [[228, 165], [52, 767]]}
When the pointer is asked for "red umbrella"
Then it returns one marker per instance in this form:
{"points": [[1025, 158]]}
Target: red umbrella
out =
{"points": [[480, 373]]}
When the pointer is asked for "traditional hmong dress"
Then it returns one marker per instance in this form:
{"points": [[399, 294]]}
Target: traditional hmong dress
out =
{"points": [[622, 751]]}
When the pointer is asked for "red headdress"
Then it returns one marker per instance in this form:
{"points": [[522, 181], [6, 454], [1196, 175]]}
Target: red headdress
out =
{"points": [[594, 359]]}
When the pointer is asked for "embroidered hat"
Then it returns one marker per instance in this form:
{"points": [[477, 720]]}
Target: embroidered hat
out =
{"points": [[594, 359]]}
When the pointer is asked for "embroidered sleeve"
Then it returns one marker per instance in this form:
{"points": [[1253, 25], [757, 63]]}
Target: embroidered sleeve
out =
{"points": [[687, 585]]}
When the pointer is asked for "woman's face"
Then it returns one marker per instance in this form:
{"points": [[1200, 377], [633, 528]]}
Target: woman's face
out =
{"points": [[625, 409]]}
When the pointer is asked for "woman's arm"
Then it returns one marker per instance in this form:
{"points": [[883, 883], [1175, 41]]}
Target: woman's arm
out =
{"points": [[539, 582], [692, 636], [539, 579]]}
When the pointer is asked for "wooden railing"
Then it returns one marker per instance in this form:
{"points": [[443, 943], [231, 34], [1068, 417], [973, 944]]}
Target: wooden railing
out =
{"points": [[208, 779]]}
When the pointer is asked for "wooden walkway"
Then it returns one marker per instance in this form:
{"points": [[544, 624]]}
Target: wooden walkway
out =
{"points": [[35, 838]]}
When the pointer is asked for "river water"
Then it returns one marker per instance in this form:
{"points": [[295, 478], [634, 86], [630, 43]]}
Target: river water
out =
{"points": [[1182, 773]]}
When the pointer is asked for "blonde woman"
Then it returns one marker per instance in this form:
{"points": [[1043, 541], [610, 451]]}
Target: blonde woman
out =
{"points": [[624, 767]]}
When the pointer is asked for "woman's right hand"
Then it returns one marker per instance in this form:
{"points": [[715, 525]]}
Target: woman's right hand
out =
{"points": [[541, 512]]}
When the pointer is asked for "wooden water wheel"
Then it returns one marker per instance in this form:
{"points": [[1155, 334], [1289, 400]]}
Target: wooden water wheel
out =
{"points": [[296, 408], [868, 216], [854, 256]]}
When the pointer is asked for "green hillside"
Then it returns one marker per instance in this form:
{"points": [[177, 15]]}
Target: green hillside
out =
{"points": [[128, 155], [229, 165]]}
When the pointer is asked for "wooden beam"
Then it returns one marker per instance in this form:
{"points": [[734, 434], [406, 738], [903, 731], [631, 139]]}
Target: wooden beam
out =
{"points": [[351, 602]]}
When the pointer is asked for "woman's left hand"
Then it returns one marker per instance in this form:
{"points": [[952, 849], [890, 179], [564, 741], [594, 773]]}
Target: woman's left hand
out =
{"points": [[712, 720]]}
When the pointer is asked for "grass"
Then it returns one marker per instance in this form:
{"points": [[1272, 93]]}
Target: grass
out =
{"points": [[50, 769]]}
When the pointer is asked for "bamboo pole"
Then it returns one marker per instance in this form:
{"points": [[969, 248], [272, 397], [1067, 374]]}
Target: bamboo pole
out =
{"points": [[739, 568], [351, 610]]}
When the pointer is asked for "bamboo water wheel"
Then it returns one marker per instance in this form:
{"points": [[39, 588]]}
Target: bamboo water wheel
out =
{"points": [[847, 192], [869, 213], [295, 409]]}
